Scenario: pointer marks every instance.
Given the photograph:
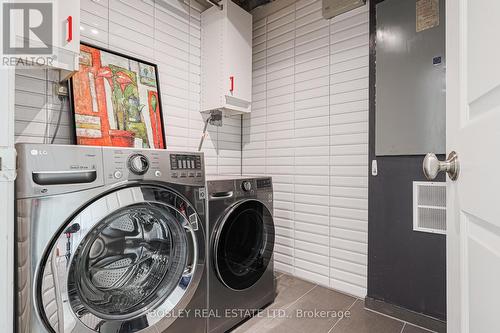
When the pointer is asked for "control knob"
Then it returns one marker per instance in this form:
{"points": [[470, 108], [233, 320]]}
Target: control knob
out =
{"points": [[246, 186], [138, 164]]}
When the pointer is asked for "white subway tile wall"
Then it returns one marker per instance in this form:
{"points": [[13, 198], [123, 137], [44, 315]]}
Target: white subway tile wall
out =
{"points": [[163, 32], [308, 127], [309, 130]]}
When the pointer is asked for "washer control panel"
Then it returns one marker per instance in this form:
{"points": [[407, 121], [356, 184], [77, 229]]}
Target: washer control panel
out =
{"points": [[123, 164]]}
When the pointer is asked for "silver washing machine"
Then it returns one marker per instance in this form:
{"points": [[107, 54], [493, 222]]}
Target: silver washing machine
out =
{"points": [[109, 240], [240, 252]]}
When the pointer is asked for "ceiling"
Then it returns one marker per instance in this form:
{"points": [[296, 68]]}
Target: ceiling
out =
{"points": [[247, 5]]}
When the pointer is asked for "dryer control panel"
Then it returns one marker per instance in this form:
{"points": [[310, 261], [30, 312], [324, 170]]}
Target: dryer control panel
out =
{"points": [[240, 187]]}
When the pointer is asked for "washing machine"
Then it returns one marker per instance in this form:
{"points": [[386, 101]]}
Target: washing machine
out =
{"points": [[240, 252], [109, 240]]}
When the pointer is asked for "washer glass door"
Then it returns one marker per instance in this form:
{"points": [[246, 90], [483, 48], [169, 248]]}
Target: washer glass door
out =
{"points": [[244, 244], [124, 255]]}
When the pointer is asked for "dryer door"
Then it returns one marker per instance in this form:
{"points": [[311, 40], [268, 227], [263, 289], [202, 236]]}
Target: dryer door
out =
{"points": [[244, 244], [123, 263]]}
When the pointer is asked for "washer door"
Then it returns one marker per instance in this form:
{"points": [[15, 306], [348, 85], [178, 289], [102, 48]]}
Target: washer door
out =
{"points": [[123, 263], [243, 245]]}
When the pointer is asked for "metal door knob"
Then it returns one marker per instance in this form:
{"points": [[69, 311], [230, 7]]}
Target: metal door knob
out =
{"points": [[432, 166]]}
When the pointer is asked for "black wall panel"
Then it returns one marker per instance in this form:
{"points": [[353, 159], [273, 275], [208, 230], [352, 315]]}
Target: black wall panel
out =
{"points": [[405, 267]]}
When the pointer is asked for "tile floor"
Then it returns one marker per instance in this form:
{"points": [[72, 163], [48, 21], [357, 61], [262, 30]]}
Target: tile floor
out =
{"points": [[293, 309]]}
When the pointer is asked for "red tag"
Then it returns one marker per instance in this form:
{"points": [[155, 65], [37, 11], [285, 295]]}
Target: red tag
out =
{"points": [[70, 28]]}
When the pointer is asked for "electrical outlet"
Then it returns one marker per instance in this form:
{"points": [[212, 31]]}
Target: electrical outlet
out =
{"points": [[215, 118], [61, 89]]}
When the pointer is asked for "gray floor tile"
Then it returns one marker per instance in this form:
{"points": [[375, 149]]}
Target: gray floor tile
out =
{"points": [[255, 324], [297, 297], [409, 328], [289, 289], [315, 312], [364, 321]]}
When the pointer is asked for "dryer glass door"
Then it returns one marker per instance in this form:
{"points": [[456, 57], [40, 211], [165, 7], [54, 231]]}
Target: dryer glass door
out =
{"points": [[124, 255], [244, 244]]}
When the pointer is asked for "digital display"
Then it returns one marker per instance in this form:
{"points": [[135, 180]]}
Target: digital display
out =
{"points": [[263, 183], [185, 162]]}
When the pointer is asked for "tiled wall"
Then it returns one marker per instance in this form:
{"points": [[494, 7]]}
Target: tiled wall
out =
{"points": [[164, 32], [309, 130]]}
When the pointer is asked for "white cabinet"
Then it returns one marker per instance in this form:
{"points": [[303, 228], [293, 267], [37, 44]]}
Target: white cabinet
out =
{"points": [[226, 59], [45, 33], [67, 34]]}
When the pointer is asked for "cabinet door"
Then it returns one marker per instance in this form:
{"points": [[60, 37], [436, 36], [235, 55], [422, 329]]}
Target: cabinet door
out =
{"points": [[67, 33], [238, 53], [46, 32]]}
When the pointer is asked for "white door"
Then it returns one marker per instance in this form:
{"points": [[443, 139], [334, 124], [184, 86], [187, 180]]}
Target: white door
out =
{"points": [[473, 131]]}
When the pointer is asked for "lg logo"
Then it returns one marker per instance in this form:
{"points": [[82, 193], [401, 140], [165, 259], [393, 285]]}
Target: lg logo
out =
{"points": [[27, 28], [35, 152]]}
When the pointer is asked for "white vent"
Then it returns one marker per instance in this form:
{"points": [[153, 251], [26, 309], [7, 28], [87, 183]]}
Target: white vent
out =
{"points": [[429, 207]]}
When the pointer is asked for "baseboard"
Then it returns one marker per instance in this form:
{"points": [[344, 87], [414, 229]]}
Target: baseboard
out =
{"points": [[403, 314]]}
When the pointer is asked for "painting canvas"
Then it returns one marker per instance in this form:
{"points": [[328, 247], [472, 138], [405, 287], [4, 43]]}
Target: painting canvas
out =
{"points": [[116, 101]]}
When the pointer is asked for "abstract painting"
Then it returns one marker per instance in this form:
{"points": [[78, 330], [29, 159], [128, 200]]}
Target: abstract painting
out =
{"points": [[116, 101]]}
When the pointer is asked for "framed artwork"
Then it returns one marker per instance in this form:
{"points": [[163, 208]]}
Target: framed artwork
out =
{"points": [[116, 100]]}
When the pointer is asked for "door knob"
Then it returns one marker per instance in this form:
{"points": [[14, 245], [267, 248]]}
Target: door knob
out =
{"points": [[432, 166]]}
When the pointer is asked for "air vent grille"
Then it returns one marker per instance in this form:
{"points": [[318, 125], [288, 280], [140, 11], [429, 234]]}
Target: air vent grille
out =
{"points": [[429, 207]]}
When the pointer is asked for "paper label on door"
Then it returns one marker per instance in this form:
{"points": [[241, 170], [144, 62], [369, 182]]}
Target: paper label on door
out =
{"points": [[427, 14]]}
